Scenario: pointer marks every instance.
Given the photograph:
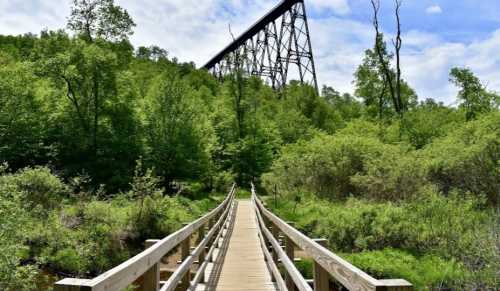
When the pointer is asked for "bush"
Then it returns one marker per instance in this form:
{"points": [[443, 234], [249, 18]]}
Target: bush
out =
{"points": [[468, 158], [15, 224], [38, 187], [326, 166], [454, 229], [425, 273]]}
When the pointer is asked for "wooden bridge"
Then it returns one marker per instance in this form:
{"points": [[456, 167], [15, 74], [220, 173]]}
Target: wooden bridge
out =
{"points": [[240, 245]]}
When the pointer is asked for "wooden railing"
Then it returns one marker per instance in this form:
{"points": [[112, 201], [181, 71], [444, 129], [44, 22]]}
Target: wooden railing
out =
{"points": [[144, 268], [331, 272]]}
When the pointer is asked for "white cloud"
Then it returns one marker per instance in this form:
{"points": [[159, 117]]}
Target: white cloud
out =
{"points": [[427, 69], [18, 17], [194, 30], [434, 9], [338, 6]]}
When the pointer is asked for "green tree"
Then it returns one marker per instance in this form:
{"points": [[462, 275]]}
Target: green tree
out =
{"points": [[474, 97], [23, 116], [177, 130], [100, 19], [346, 105], [372, 83], [428, 121]]}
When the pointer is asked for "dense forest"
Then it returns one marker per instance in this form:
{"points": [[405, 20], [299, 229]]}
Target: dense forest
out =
{"points": [[103, 145]]}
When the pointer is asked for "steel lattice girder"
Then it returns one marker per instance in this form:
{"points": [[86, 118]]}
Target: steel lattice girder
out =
{"points": [[278, 43]]}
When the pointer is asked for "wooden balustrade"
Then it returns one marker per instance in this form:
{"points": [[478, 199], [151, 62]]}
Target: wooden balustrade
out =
{"points": [[279, 241], [145, 267], [327, 265]]}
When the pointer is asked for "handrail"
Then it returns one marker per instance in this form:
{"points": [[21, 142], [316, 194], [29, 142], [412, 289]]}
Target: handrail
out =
{"points": [[175, 278], [146, 262], [201, 270], [299, 281], [326, 261]]}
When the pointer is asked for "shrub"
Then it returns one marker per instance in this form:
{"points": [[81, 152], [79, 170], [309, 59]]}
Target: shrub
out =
{"points": [[454, 228], [326, 165], [425, 273], [14, 226], [38, 187], [468, 158]]}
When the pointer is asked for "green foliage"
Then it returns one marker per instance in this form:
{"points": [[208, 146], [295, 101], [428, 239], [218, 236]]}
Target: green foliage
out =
{"points": [[13, 219], [100, 19], [376, 89], [413, 195], [37, 187], [473, 95], [326, 164], [425, 273], [22, 116], [428, 121], [468, 158], [177, 131], [449, 232], [83, 238]]}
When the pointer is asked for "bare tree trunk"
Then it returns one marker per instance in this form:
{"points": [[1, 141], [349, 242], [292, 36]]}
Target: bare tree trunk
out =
{"points": [[378, 48], [397, 45]]}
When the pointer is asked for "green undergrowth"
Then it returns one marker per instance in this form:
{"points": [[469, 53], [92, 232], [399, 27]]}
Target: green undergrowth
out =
{"points": [[51, 229], [243, 194], [424, 272], [434, 242]]}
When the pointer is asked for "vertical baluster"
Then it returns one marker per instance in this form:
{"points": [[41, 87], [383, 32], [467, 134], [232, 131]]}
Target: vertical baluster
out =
{"points": [[321, 276], [185, 252], [203, 253], [290, 252], [151, 279]]}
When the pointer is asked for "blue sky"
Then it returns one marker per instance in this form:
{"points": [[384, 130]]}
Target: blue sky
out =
{"points": [[438, 34]]}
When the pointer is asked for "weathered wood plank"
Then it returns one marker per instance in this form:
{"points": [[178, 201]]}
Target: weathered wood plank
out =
{"points": [[244, 267], [212, 252], [71, 284], [290, 252]]}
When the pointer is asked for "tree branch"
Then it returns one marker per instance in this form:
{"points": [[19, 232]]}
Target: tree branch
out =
{"points": [[378, 49]]}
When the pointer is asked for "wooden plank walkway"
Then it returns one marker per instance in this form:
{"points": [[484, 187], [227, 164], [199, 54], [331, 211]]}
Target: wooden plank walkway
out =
{"points": [[244, 267]]}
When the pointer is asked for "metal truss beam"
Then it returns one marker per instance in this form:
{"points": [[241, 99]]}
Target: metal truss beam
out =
{"points": [[274, 48]]}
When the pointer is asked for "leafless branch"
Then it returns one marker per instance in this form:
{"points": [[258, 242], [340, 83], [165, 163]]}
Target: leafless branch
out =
{"points": [[379, 50]]}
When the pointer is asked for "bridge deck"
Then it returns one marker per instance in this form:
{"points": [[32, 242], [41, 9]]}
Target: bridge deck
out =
{"points": [[244, 267]]}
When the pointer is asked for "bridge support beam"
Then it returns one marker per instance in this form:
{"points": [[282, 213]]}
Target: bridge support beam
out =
{"points": [[277, 48]]}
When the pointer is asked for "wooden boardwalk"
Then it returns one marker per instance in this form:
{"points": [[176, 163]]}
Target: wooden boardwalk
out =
{"points": [[228, 257], [244, 267]]}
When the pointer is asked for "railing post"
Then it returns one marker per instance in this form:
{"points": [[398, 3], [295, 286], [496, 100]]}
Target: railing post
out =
{"points": [[275, 233], [185, 252], [151, 279], [203, 253], [321, 276], [290, 252]]}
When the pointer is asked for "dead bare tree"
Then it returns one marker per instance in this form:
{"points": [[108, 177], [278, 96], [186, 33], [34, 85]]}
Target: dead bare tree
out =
{"points": [[397, 47], [388, 75]]}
